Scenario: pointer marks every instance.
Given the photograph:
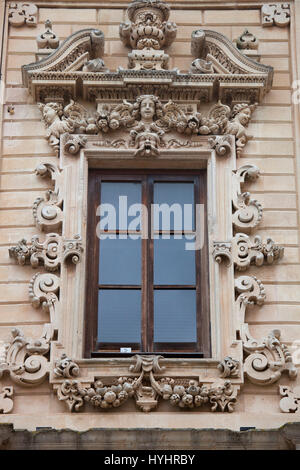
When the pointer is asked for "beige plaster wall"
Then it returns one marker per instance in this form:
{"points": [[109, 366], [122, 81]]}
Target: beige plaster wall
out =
{"points": [[273, 149]]}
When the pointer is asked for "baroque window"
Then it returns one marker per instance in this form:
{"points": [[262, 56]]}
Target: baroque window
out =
{"points": [[155, 135], [147, 286]]}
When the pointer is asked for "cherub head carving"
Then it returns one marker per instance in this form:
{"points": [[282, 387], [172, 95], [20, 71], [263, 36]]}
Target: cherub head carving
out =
{"points": [[242, 112], [147, 108], [50, 112]]}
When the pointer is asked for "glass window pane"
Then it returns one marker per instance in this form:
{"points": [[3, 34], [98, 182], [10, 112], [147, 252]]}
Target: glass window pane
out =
{"points": [[122, 195], [119, 316], [173, 264], [120, 261], [174, 206], [175, 316]]}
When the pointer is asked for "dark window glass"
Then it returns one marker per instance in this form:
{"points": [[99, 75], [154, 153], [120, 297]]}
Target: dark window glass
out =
{"points": [[173, 264], [175, 316], [119, 316], [120, 260], [146, 291]]}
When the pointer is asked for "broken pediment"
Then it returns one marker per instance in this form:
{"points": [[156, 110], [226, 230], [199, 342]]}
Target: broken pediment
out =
{"points": [[220, 71]]}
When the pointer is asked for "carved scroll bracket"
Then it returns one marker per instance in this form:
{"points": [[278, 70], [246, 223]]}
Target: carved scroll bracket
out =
{"points": [[268, 358], [242, 251], [24, 358], [47, 211], [247, 212], [54, 251]]}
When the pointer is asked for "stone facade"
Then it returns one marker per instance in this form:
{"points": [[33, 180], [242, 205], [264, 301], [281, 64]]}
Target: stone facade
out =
{"points": [[245, 132]]}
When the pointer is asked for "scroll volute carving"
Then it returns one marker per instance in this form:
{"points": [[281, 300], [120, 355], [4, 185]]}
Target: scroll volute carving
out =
{"points": [[268, 358], [47, 211], [24, 358], [247, 212], [43, 292], [275, 14]]}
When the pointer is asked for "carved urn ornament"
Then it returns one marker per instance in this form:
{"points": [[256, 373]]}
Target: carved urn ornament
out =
{"points": [[146, 116]]}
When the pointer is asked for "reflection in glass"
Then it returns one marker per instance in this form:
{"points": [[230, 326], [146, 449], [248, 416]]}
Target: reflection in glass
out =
{"points": [[175, 316], [173, 264], [120, 261], [119, 316]]}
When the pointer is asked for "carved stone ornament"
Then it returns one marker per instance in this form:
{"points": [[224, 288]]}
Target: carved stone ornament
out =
{"points": [[147, 33], [48, 39], [6, 402], [24, 358], [266, 359], [43, 292], [242, 251], [47, 211], [148, 121], [65, 367], [54, 251], [247, 212], [229, 367], [247, 40], [277, 14], [22, 13], [291, 399], [146, 390]]}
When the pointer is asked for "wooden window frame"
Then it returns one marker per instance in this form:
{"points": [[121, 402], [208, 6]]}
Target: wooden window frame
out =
{"points": [[147, 177]]}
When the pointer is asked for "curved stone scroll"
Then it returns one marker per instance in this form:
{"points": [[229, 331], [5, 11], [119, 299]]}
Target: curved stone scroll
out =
{"points": [[266, 359], [24, 358], [247, 212], [47, 211], [43, 291]]}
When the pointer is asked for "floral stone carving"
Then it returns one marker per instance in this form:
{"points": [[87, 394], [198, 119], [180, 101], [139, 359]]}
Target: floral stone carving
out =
{"points": [[229, 367], [278, 14], [247, 40], [48, 39], [22, 13], [146, 389], [66, 367], [54, 251]]}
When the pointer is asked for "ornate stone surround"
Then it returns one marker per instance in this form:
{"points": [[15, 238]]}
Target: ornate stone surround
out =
{"points": [[150, 117]]}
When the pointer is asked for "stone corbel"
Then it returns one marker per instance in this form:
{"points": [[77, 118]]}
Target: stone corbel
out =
{"points": [[54, 251], [277, 14], [247, 212], [24, 358], [242, 251], [22, 13], [47, 211]]}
